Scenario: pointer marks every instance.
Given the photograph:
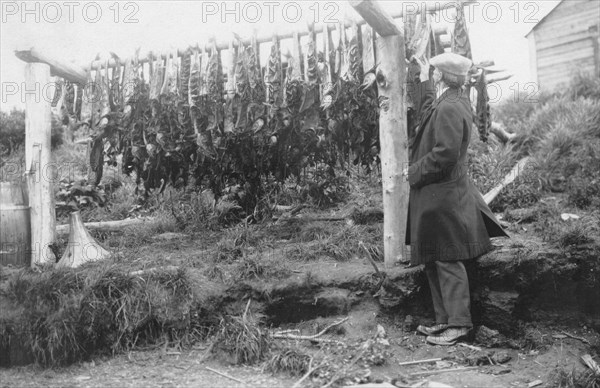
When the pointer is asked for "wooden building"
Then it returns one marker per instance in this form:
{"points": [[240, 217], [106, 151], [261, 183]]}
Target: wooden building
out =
{"points": [[565, 39]]}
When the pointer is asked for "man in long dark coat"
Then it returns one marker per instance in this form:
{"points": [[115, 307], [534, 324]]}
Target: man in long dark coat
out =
{"points": [[448, 220]]}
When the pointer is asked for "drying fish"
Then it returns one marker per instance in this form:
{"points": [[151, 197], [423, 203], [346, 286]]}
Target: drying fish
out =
{"points": [[341, 67], [417, 45], [482, 116], [352, 70], [68, 106], [256, 108], [157, 78], [293, 88], [242, 87], [460, 38], [87, 100], [214, 84], [184, 76], [58, 93], [114, 92], [274, 77], [78, 101], [230, 97], [169, 86]]}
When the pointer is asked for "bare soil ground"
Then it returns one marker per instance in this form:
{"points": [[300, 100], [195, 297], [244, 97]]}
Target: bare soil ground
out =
{"points": [[339, 289]]}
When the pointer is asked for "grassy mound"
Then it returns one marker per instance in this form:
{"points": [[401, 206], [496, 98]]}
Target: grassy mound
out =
{"points": [[63, 315], [561, 134]]}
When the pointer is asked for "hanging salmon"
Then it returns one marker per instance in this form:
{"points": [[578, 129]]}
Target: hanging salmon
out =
{"points": [[214, 84], [310, 117], [230, 101], [169, 86], [368, 49], [204, 62], [101, 104], [87, 101], [130, 83], [184, 76], [58, 93], [242, 87], [327, 68], [311, 86], [115, 84], [274, 77], [68, 102], [311, 71], [293, 81], [353, 57], [341, 66], [418, 43], [482, 116], [78, 101], [193, 87], [460, 38], [256, 108], [157, 78]]}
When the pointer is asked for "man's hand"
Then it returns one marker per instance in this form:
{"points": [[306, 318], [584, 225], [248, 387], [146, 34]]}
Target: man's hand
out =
{"points": [[405, 173], [425, 66]]}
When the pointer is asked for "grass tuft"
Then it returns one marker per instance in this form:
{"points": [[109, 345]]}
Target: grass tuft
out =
{"points": [[290, 361], [241, 339]]}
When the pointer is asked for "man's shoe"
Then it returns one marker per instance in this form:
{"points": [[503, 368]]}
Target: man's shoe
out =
{"points": [[431, 330], [449, 336]]}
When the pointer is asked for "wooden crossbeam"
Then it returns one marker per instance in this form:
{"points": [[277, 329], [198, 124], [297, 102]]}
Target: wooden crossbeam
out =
{"points": [[58, 67], [430, 7]]}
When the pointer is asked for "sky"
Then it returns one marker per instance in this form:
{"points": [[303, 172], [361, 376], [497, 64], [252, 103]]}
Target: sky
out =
{"points": [[77, 31]]}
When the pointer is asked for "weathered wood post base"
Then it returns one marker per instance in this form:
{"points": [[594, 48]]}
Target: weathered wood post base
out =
{"points": [[41, 173]]}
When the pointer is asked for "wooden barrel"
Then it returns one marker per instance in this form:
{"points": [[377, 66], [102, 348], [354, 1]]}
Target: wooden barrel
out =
{"points": [[15, 231]]}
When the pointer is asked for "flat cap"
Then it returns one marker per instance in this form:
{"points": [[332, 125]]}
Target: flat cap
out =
{"points": [[452, 63]]}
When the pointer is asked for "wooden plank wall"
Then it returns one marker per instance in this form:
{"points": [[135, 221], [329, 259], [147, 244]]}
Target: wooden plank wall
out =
{"points": [[567, 39]]}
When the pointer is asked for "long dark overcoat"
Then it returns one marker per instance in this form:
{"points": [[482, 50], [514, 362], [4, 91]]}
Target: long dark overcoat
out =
{"points": [[448, 219]]}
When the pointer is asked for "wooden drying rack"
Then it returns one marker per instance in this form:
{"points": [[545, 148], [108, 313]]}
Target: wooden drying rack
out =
{"points": [[390, 46]]}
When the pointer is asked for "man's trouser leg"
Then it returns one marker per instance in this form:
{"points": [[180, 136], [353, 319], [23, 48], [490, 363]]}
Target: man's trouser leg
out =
{"points": [[436, 293], [454, 288]]}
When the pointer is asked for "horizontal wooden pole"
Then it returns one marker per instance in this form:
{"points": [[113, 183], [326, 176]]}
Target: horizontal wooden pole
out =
{"points": [[268, 37], [106, 226], [58, 66]]}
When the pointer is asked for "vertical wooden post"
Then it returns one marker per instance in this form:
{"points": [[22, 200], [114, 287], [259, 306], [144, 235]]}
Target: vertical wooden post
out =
{"points": [[390, 76], [41, 172]]}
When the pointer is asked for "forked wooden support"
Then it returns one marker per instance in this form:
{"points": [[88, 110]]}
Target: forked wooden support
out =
{"points": [[390, 78]]}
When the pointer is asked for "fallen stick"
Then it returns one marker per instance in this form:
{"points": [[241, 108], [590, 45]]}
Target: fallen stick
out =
{"points": [[439, 371], [106, 225], [419, 361], [362, 245], [476, 348], [512, 175], [575, 337], [589, 361], [171, 269], [304, 337], [224, 375], [310, 337]]}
